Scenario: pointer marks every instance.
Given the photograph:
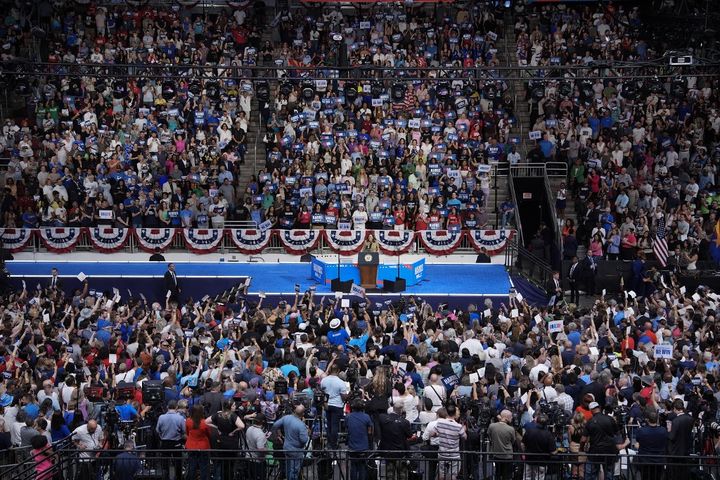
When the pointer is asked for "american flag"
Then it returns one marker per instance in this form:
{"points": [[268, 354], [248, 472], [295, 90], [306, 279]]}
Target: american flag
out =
{"points": [[660, 246]]}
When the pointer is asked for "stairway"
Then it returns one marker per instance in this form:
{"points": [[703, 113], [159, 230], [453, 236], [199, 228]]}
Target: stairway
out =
{"points": [[517, 87]]}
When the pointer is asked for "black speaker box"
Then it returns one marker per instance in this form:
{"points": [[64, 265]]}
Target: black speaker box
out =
{"points": [[394, 286], [307, 258]]}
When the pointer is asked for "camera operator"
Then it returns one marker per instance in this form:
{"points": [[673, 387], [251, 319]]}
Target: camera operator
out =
{"points": [[502, 441], [256, 438], [679, 437], [395, 434], [540, 444], [602, 431], [171, 430], [359, 432], [651, 441], [337, 391], [295, 438]]}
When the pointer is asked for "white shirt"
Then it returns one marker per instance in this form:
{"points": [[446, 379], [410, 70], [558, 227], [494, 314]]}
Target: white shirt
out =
{"points": [[87, 440]]}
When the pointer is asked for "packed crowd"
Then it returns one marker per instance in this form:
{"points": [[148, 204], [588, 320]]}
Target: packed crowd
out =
{"points": [[161, 150], [167, 152], [416, 370], [641, 153]]}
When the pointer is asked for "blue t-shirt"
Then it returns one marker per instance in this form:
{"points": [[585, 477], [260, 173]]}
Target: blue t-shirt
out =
{"points": [[357, 427], [126, 412], [338, 336], [360, 342], [286, 369], [335, 388]]}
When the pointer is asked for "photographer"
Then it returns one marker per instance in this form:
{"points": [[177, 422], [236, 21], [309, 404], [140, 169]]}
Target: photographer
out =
{"points": [[295, 437], [651, 441], [539, 443], [601, 431], [502, 441], [359, 434]]}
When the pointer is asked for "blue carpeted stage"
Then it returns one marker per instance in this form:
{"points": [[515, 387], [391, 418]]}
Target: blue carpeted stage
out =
{"points": [[456, 284]]}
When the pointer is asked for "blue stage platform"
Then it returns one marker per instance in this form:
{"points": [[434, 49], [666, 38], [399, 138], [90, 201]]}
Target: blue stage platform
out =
{"points": [[467, 281]]}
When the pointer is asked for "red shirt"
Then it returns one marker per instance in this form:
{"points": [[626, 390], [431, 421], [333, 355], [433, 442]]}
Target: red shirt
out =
{"points": [[197, 438]]}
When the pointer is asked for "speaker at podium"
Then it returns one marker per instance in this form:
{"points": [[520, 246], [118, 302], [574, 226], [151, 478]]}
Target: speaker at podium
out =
{"points": [[368, 265]]}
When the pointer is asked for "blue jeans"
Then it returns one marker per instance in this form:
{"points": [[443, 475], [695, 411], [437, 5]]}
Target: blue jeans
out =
{"points": [[334, 415], [198, 461], [507, 217], [293, 464]]}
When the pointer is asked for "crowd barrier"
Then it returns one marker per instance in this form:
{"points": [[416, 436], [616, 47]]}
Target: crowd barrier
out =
{"points": [[252, 241], [419, 463]]}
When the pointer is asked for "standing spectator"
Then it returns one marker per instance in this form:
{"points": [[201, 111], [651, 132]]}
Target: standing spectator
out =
{"points": [[651, 440], [450, 432], [539, 443], [42, 454], [601, 433], [502, 441], [359, 432], [198, 438], [127, 464], [171, 427], [679, 437], [336, 390], [295, 434]]}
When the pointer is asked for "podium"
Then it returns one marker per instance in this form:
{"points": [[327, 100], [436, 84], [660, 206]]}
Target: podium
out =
{"points": [[368, 265]]}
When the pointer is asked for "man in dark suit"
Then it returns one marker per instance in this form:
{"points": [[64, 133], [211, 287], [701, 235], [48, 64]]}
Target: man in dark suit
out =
{"points": [[483, 257], [171, 282], [55, 282], [573, 277], [679, 437], [554, 289]]}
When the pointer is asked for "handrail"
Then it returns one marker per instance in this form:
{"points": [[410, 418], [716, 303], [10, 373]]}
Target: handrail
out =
{"points": [[257, 135], [553, 212], [518, 223]]}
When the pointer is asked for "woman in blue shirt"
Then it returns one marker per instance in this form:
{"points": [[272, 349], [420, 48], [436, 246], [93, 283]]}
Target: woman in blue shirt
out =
{"points": [[58, 428]]}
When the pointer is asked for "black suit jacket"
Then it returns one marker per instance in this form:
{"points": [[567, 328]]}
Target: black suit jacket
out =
{"points": [[58, 283], [576, 274], [171, 284], [550, 288]]}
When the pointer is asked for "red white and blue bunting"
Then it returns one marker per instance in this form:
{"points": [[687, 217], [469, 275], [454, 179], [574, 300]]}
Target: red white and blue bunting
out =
{"points": [[150, 239], [395, 242], [254, 241], [440, 242], [250, 241], [494, 241], [203, 240], [299, 242], [60, 239], [108, 239], [15, 239], [345, 242]]}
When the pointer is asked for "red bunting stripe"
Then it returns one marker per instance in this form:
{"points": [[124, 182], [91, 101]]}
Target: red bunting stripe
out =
{"points": [[60, 239], [15, 239], [345, 242], [251, 241], [299, 242], [108, 239], [440, 242]]}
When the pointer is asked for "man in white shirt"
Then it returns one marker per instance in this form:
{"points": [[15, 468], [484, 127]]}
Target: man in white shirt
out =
{"points": [[336, 390], [473, 345]]}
